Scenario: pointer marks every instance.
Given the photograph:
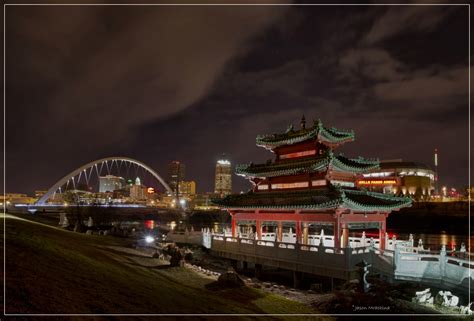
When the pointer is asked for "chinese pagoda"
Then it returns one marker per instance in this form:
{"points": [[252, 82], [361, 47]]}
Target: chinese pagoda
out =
{"points": [[308, 187]]}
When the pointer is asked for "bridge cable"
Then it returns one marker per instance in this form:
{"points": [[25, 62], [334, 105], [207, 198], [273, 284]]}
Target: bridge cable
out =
{"points": [[79, 178], [101, 166], [107, 165]]}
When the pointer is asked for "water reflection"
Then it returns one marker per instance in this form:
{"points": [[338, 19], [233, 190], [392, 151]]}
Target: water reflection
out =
{"points": [[436, 241]]}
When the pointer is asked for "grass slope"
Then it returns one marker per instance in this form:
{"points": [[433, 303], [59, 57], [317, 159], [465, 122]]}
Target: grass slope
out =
{"points": [[49, 270]]}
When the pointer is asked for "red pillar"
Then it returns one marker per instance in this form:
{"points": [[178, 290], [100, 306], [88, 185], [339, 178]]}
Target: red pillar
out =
{"points": [[345, 235], [233, 224], [258, 226], [298, 232], [382, 232], [280, 231]]}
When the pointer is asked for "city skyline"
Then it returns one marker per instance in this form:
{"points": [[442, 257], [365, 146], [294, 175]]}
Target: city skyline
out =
{"points": [[287, 61]]}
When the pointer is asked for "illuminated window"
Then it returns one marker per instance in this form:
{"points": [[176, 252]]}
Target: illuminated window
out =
{"points": [[319, 182], [290, 185], [262, 187], [298, 154], [343, 183]]}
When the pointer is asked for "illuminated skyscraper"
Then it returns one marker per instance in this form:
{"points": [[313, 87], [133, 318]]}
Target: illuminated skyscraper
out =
{"points": [[176, 172], [223, 180], [138, 191], [187, 188]]}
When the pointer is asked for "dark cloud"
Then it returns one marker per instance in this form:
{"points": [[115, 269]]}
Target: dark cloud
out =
{"points": [[103, 71], [445, 84], [399, 19], [373, 63], [192, 83]]}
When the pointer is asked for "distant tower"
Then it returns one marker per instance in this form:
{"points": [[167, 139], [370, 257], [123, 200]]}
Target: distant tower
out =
{"points": [[176, 171], [223, 180], [436, 171], [138, 191], [303, 122]]}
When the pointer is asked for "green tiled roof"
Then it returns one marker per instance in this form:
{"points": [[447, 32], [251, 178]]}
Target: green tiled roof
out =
{"points": [[323, 134], [308, 165], [325, 198]]}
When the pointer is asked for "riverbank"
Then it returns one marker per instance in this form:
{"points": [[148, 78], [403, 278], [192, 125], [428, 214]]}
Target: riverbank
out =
{"points": [[345, 298], [50, 270]]}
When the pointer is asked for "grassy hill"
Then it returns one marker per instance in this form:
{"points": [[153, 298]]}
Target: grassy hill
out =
{"points": [[49, 270]]}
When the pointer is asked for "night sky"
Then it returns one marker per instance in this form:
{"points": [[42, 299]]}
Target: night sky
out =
{"points": [[190, 83]]}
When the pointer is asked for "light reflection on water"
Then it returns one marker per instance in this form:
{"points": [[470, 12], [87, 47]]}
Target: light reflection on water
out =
{"points": [[435, 241], [171, 225]]}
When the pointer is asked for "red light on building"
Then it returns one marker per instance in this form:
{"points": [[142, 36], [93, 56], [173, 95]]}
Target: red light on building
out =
{"points": [[150, 190], [150, 224]]}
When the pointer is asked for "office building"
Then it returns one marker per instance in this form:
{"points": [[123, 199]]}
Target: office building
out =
{"points": [[176, 174], [223, 179], [110, 183]]}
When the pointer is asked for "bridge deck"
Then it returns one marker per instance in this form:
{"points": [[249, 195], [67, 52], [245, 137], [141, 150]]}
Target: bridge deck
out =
{"points": [[403, 263]]}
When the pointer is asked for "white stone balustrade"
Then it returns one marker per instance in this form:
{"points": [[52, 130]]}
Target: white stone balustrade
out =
{"points": [[407, 262]]}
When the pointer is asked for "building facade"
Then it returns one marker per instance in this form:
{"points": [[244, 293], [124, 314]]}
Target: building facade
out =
{"points": [[138, 192], [16, 198], [223, 178], [399, 177], [110, 183], [308, 188], [187, 188], [176, 174]]}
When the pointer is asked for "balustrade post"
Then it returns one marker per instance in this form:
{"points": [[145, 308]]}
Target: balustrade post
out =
{"points": [[442, 262], [462, 250], [396, 255], [372, 244], [420, 244], [305, 233]]}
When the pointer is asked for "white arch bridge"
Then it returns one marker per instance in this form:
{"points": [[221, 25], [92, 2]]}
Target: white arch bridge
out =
{"points": [[98, 166]]}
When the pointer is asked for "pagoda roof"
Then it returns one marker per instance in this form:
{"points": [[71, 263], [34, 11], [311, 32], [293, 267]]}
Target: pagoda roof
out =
{"points": [[332, 197], [325, 135], [309, 165]]}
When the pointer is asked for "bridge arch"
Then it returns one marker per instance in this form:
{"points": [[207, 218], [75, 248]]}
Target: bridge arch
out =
{"points": [[83, 168]]}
